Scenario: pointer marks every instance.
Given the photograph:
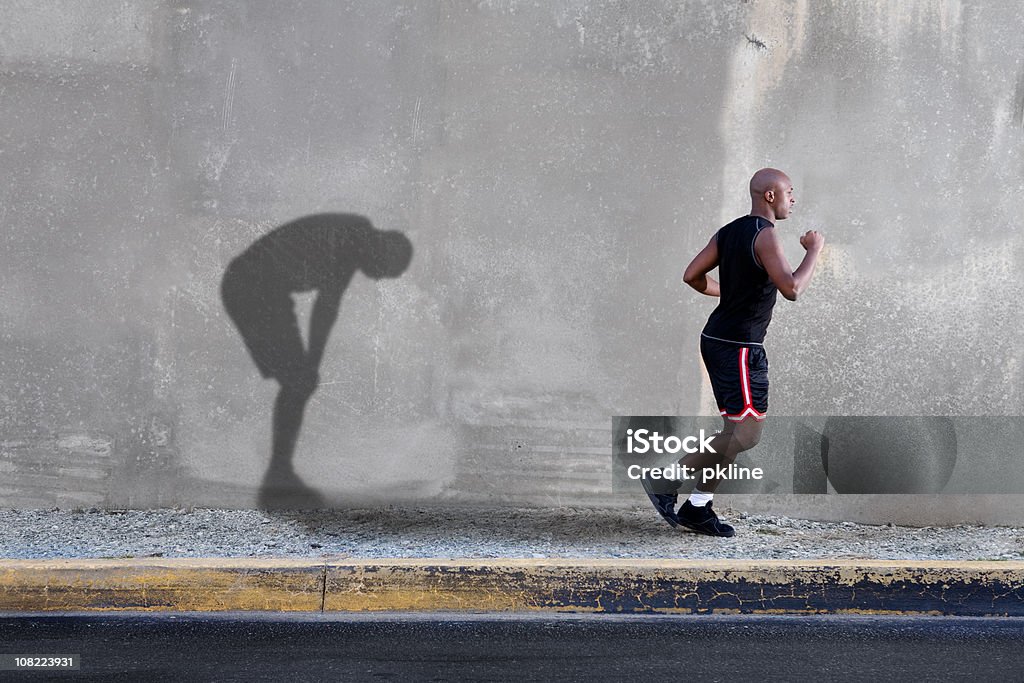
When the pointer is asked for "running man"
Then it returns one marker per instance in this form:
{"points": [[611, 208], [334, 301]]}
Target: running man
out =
{"points": [[752, 268]]}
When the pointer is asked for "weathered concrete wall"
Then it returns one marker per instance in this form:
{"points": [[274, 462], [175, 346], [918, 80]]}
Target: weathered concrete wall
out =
{"points": [[554, 165]]}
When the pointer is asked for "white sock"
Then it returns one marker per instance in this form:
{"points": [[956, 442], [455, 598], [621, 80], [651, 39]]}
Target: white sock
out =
{"points": [[700, 498]]}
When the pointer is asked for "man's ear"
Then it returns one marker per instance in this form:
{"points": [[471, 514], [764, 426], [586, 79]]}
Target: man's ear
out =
{"points": [[769, 196]]}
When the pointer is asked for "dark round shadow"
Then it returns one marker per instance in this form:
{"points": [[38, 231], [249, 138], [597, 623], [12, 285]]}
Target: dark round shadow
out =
{"points": [[874, 454]]}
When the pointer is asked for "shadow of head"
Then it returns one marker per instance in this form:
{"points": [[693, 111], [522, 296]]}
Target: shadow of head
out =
{"points": [[351, 240], [316, 251], [384, 254]]}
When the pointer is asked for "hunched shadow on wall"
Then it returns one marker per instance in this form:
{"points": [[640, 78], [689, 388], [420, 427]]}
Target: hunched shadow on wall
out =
{"points": [[319, 253]]}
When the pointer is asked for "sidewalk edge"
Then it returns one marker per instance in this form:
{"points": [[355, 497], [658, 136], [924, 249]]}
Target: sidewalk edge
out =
{"points": [[515, 585]]}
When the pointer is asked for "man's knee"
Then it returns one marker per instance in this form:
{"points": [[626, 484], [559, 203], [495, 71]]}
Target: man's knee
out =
{"points": [[747, 434]]}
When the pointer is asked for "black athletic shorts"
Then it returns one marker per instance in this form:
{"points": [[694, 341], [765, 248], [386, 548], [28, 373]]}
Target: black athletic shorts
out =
{"points": [[739, 377]]}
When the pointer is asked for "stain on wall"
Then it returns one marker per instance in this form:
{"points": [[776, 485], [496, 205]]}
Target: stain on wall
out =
{"points": [[556, 166]]}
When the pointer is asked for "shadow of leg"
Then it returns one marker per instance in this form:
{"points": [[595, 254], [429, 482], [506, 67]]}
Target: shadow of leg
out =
{"points": [[282, 487]]}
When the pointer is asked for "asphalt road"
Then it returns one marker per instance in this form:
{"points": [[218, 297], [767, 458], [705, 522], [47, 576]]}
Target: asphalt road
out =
{"points": [[438, 647]]}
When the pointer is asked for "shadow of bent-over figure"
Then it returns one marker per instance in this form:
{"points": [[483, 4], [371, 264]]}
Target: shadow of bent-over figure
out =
{"points": [[320, 252]]}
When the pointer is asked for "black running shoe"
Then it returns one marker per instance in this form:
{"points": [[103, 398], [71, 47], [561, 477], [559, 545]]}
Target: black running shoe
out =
{"points": [[664, 503], [703, 520]]}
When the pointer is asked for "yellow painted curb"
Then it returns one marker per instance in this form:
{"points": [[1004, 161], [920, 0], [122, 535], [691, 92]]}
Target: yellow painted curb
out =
{"points": [[178, 585], [577, 585], [678, 586]]}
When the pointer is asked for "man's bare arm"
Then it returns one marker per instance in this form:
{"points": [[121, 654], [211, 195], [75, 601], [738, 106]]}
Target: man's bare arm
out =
{"points": [[791, 283], [696, 274]]}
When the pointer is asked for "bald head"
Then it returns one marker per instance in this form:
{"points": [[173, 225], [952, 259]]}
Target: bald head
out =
{"points": [[771, 194], [768, 179]]}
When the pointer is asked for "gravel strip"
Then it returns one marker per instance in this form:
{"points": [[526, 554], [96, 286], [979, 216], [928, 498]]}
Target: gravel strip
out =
{"points": [[476, 533]]}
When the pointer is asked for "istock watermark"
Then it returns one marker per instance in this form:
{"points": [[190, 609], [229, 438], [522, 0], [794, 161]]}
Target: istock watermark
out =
{"points": [[825, 454], [645, 441], [677, 472]]}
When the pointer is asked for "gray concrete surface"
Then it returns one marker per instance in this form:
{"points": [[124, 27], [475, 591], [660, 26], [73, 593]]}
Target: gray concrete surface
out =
{"points": [[554, 165], [498, 532]]}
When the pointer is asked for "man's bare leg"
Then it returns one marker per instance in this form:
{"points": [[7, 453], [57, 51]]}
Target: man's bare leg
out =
{"points": [[719, 444], [734, 438], [696, 512]]}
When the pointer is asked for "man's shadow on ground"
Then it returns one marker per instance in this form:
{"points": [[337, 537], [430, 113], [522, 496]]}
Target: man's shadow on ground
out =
{"points": [[315, 253]]}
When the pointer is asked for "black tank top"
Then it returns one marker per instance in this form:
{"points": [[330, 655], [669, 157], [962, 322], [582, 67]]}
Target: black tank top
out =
{"points": [[748, 295]]}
